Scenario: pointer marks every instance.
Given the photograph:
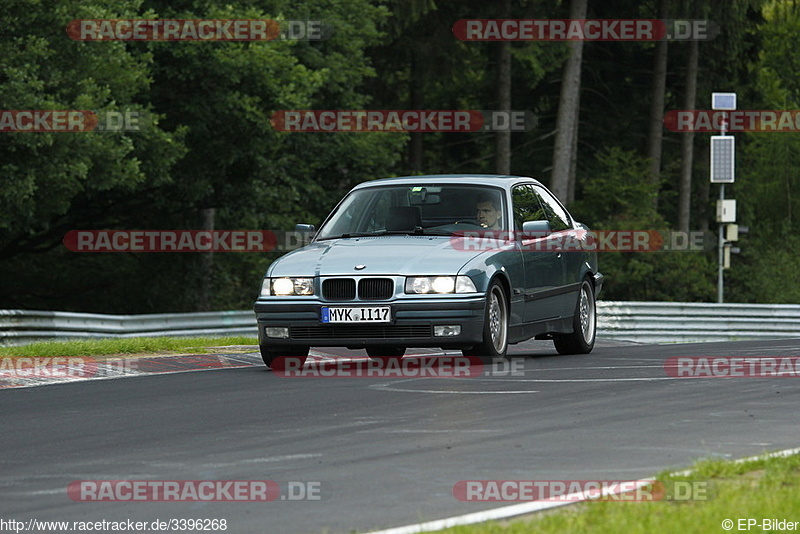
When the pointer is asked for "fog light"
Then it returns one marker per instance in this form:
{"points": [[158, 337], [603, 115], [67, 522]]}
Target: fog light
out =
{"points": [[279, 332], [446, 330]]}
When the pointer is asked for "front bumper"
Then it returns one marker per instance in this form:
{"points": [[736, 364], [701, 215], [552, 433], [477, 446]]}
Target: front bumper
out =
{"points": [[411, 325]]}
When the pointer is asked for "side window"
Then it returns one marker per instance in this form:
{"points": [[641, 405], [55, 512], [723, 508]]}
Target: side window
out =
{"points": [[557, 215], [526, 205]]}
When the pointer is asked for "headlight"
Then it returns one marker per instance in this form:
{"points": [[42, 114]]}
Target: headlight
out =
{"points": [[421, 285], [304, 286], [443, 284], [418, 284], [285, 287]]}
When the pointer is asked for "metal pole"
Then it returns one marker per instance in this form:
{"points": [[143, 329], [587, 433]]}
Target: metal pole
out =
{"points": [[721, 253]]}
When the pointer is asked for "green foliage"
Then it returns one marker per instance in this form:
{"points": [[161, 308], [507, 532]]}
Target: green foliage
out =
{"points": [[211, 145], [620, 197], [764, 488], [766, 270], [133, 345], [659, 276], [768, 186], [44, 175], [619, 192]]}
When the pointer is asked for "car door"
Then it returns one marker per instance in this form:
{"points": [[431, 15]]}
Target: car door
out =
{"points": [[564, 235], [543, 264]]}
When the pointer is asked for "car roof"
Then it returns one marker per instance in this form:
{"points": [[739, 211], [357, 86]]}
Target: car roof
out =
{"points": [[498, 180]]}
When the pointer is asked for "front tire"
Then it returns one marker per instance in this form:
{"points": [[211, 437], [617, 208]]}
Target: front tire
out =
{"points": [[584, 324], [271, 354], [495, 326]]}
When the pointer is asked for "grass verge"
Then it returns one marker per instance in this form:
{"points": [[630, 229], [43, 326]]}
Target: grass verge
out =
{"points": [[762, 489], [133, 345]]}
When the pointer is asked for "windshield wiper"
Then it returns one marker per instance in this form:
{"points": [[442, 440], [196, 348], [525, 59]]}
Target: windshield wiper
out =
{"points": [[418, 230], [352, 234]]}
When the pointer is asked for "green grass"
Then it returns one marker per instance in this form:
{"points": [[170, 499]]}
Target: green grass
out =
{"points": [[133, 345], [765, 488]]}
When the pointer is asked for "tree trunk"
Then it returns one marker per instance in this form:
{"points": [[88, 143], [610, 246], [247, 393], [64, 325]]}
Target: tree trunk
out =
{"points": [[573, 164], [705, 205], [657, 104], [207, 264], [417, 97], [687, 142], [503, 139], [568, 111]]}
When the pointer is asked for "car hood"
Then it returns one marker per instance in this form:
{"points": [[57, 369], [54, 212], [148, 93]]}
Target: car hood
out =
{"points": [[381, 255]]}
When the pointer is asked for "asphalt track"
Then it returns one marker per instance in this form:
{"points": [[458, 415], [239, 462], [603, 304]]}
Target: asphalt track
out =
{"points": [[387, 451]]}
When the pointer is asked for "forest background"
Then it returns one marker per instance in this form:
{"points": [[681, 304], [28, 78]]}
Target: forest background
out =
{"points": [[211, 159]]}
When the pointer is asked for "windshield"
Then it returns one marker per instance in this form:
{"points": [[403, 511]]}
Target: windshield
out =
{"points": [[416, 209]]}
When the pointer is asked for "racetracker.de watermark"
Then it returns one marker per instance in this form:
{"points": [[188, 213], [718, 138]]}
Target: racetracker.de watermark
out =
{"points": [[48, 120], [584, 30], [733, 366], [183, 240], [408, 120], [467, 241], [392, 367], [699, 120], [198, 30], [582, 241], [579, 490], [66, 367], [408, 367], [198, 490]]}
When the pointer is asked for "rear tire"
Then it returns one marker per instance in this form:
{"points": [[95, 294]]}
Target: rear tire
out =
{"points": [[271, 354], [584, 324], [495, 326]]}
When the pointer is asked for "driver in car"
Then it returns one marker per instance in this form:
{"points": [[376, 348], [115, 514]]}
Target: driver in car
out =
{"points": [[489, 212]]}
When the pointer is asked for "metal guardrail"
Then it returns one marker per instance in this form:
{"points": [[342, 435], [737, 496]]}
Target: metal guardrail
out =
{"points": [[645, 322], [692, 322], [19, 327]]}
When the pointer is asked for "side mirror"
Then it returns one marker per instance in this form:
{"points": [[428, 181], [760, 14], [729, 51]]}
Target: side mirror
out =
{"points": [[535, 229], [304, 233]]}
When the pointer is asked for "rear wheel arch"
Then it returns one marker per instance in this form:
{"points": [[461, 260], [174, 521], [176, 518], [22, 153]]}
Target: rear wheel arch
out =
{"points": [[576, 342]]}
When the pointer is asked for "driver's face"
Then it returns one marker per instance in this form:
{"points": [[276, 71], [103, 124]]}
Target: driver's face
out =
{"points": [[487, 216]]}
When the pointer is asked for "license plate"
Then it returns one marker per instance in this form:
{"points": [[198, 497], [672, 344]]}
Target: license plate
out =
{"points": [[351, 314]]}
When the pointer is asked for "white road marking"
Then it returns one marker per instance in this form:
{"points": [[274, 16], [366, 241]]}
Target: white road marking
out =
{"points": [[559, 380], [606, 367], [500, 513], [777, 454], [506, 512], [411, 431], [54, 491], [387, 386], [273, 459]]}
